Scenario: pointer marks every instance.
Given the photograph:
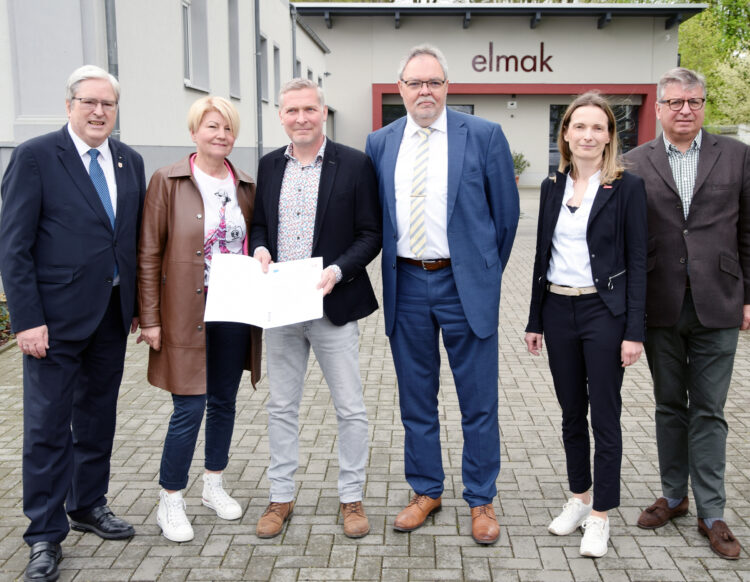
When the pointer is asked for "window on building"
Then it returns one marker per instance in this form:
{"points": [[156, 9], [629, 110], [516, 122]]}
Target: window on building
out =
{"points": [[320, 81], [276, 74], [627, 129], [264, 69], [309, 74], [234, 49], [298, 68], [195, 44], [186, 36]]}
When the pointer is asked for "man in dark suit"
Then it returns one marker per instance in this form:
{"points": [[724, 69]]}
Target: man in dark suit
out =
{"points": [[698, 298], [71, 209], [316, 198], [450, 212]]}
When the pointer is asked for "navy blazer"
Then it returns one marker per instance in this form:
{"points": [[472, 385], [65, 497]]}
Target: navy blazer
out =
{"points": [[57, 246], [347, 228], [483, 211], [617, 237]]}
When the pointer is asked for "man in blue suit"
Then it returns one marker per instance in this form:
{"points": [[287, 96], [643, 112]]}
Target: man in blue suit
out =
{"points": [[71, 210], [450, 212]]}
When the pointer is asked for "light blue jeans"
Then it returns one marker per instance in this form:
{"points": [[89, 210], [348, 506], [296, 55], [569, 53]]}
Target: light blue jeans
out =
{"points": [[337, 351]]}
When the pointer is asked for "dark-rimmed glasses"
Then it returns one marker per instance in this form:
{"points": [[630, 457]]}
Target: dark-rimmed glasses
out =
{"points": [[416, 84], [677, 104]]}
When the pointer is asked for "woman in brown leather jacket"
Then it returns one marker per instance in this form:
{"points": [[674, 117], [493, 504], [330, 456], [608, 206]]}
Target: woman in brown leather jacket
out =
{"points": [[195, 208]]}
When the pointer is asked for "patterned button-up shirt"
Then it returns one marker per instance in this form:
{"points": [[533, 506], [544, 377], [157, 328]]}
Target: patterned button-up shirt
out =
{"points": [[298, 203], [684, 169]]}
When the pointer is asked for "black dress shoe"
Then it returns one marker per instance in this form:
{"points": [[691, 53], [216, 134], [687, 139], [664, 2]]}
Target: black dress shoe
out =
{"points": [[43, 560], [103, 523]]}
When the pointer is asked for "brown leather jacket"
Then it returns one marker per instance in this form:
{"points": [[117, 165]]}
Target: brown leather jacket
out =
{"points": [[170, 278]]}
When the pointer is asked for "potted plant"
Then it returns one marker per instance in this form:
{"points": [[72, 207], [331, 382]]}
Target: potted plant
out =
{"points": [[520, 163]]}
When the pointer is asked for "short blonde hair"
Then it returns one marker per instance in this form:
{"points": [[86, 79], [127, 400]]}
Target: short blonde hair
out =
{"points": [[612, 167], [298, 84], [222, 106]]}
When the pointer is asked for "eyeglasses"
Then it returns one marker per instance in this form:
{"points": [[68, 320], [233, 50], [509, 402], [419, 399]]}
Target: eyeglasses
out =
{"points": [[90, 104], [416, 84], [677, 104]]}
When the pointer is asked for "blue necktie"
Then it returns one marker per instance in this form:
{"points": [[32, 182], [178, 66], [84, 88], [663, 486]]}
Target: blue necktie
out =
{"points": [[100, 183]]}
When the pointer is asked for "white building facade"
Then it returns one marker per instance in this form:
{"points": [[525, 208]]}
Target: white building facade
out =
{"points": [[166, 54], [517, 64]]}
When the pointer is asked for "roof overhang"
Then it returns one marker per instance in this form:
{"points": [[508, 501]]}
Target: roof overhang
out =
{"points": [[601, 14]]}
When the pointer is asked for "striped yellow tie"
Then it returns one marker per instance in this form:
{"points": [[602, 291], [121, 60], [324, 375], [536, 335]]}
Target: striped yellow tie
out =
{"points": [[417, 232]]}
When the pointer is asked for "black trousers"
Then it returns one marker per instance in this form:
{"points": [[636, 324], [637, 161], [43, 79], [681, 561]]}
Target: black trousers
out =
{"points": [[69, 412], [583, 342]]}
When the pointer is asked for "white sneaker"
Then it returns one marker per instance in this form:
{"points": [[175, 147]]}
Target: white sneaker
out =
{"points": [[595, 537], [171, 517], [574, 513], [214, 497]]}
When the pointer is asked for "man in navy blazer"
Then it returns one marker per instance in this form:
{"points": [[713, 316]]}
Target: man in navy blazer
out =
{"points": [[317, 198], [71, 208], [450, 212]]}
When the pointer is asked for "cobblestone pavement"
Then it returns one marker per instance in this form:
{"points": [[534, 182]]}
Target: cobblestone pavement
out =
{"points": [[532, 483]]}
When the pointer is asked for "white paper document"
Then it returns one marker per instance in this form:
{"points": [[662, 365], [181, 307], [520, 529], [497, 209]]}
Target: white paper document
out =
{"points": [[239, 290]]}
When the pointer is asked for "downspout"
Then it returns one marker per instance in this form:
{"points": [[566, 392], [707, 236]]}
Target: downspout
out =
{"points": [[258, 85], [293, 10], [113, 66]]}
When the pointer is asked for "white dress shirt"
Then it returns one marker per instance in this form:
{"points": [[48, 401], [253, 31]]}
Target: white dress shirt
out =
{"points": [[570, 264], [105, 161], [436, 192]]}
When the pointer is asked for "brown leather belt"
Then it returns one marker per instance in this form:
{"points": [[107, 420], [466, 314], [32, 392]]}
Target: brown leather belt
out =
{"points": [[426, 264]]}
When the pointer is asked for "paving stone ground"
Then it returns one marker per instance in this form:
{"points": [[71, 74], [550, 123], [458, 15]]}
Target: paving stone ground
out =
{"points": [[532, 483]]}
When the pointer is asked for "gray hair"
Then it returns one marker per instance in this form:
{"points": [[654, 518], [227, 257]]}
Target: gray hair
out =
{"points": [[424, 49], [297, 84], [86, 72], [684, 77]]}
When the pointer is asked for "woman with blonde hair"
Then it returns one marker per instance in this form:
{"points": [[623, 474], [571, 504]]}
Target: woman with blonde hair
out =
{"points": [[588, 299], [194, 209]]}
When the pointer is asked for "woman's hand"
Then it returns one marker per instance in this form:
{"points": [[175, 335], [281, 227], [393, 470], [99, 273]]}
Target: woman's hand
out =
{"points": [[152, 336], [630, 352], [533, 343]]}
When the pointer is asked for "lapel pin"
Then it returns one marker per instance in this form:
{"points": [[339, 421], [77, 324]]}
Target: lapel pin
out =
{"points": [[607, 186], [119, 164]]}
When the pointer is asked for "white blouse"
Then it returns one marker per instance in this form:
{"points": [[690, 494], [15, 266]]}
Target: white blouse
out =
{"points": [[570, 265]]}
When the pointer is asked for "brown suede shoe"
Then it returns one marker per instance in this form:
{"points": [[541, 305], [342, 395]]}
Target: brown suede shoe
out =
{"points": [[722, 541], [659, 513], [273, 518], [414, 514], [355, 520], [484, 527]]}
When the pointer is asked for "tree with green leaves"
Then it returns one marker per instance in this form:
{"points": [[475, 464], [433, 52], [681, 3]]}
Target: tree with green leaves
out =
{"points": [[716, 43]]}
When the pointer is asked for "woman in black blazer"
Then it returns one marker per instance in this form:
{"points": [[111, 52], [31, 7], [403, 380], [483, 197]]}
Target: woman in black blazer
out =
{"points": [[588, 298]]}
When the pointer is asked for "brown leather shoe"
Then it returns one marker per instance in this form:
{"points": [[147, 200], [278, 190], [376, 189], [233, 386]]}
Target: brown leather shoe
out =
{"points": [[273, 518], [484, 527], [659, 513], [414, 514], [722, 541], [355, 520]]}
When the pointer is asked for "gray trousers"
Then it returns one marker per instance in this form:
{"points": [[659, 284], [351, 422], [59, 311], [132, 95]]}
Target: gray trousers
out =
{"points": [[337, 351], [691, 366]]}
